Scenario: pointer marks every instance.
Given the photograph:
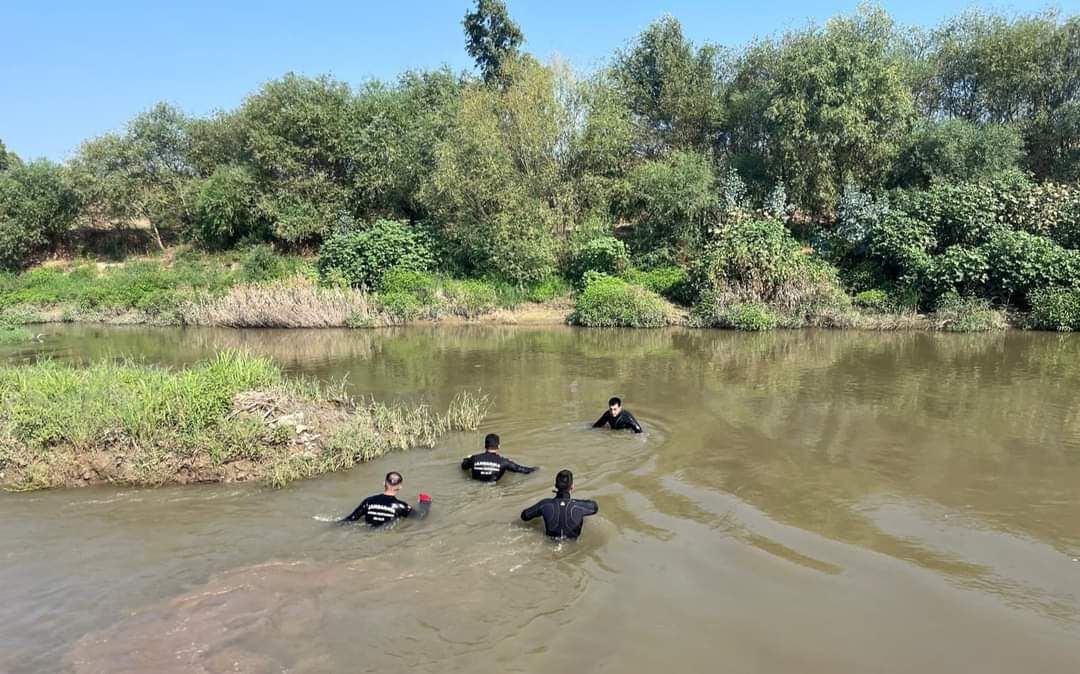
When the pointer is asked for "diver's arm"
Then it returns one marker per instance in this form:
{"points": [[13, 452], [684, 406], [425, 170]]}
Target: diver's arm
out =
{"points": [[466, 463], [603, 419], [518, 468], [633, 423], [532, 511], [357, 514], [590, 507]]}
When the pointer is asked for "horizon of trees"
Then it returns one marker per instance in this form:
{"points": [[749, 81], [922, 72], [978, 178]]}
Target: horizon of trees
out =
{"points": [[506, 169]]}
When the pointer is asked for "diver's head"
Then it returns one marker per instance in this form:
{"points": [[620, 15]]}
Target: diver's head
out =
{"points": [[564, 482], [491, 442], [615, 405], [392, 484]]}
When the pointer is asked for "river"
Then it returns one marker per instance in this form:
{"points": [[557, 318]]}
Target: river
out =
{"points": [[804, 501]]}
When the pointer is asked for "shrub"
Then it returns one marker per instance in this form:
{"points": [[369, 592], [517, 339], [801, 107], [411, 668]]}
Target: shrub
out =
{"points": [[470, 297], [224, 207], [545, 291], [1020, 263], [967, 314], [960, 269], [750, 316], [360, 257], [759, 261], [605, 254], [671, 282], [858, 213], [1056, 309], [400, 305], [36, 206], [261, 264], [610, 302], [956, 149], [874, 300], [420, 285]]}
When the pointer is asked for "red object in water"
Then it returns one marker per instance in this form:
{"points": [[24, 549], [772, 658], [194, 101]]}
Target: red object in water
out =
{"points": [[425, 498]]}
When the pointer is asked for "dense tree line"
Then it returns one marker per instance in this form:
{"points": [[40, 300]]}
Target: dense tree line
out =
{"points": [[843, 133]]}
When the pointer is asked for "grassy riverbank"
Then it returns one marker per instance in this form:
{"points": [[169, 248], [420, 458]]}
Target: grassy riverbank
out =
{"points": [[233, 418]]}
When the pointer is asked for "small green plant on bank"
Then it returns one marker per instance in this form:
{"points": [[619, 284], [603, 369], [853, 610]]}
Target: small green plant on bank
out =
{"points": [[608, 302], [967, 314], [1056, 309]]}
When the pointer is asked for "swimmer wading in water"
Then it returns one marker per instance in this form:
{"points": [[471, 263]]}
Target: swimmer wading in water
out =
{"points": [[618, 418], [489, 465], [386, 507], [563, 516]]}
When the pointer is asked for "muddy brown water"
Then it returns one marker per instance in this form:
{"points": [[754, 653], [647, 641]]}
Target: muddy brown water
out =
{"points": [[801, 502]]}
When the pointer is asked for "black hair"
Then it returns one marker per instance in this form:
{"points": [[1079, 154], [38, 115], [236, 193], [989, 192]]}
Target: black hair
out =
{"points": [[564, 480], [491, 441], [393, 478], [614, 401]]}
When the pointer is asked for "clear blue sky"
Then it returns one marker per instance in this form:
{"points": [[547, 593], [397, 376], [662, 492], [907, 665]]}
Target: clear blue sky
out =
{"points": [[72, 70]]}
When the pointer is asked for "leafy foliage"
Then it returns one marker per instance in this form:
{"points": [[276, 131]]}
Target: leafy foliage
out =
{"points": [[609, 302], [360, 257], [37, 206]]}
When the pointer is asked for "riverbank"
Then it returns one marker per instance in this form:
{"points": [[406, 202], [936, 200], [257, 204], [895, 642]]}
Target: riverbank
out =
{"points": [[261, 289], [233, 418]]}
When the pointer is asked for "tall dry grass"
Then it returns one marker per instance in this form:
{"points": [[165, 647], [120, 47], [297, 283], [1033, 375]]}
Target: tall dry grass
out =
{"points": [[297, 303]]}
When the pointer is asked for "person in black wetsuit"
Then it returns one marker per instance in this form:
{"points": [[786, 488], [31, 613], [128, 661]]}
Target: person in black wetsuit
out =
{"points": [[489, 465], [386, 507], [563, 516], [617, 417]]}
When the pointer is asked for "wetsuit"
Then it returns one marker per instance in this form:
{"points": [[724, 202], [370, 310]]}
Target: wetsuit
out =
{"points": [[623, 421], [490, 466], [563, 516], [380, 509]]}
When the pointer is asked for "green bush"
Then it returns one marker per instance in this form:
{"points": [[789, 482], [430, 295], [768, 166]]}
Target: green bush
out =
{"points": [[400, 305], [605, 254], [759, 261], [960, 269], [1020, 263], [224, 207], [750, 316], [1056, 309], [360, 257], [671, 282], [547, 290], [609, 302], [36, 207], [956, 149], [419, 284], [261, 264], [874, 300], [470, 297], [967, 314]]}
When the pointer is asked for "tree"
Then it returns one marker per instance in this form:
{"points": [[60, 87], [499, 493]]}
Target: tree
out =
{"points": [[959, 150], [491, 37], [299, 137], [499, 188], [37, 206], [140, 174], [674, 89], [821, 108]]}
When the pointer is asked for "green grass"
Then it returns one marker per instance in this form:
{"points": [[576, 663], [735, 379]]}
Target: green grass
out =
{"points": [[137, 424], [152, 287], [967, 314]]}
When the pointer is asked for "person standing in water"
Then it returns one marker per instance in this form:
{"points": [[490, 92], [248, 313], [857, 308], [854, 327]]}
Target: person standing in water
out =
{"points": [[386, 507], [489, 465], [617, 417], [563, 516]]}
